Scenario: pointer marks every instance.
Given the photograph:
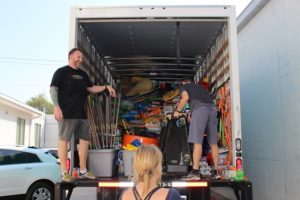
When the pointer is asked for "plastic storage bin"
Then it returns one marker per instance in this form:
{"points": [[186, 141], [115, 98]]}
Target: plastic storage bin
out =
{"points": [[128, 157]]}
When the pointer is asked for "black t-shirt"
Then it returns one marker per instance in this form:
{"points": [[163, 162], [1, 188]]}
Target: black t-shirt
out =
{"points": [[198, 95], [72, 91]]}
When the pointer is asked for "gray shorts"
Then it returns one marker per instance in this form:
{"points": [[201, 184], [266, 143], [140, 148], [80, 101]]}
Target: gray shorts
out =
{"points": [[204, 120], [78, 127]]}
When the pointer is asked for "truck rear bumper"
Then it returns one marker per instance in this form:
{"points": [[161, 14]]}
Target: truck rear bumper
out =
{"points": [[114, 187]]}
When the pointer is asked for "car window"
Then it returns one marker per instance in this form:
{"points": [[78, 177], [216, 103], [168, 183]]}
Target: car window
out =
{"points": [[9, 157], [51, 155], [54, 153]]}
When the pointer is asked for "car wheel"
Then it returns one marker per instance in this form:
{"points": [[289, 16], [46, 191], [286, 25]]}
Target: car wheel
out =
{"points": [[40, 191]]}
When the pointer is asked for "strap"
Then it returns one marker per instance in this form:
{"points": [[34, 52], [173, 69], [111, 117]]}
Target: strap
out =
{"points": [[136, 194], [149, 195]]}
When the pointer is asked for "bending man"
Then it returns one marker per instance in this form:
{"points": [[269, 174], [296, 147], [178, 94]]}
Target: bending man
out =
{"points": [[204, 120]]}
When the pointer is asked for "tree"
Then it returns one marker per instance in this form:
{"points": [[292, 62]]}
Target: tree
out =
{"points": [[40, 102]]}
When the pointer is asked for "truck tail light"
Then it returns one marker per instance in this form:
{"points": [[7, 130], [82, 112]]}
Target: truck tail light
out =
{"points": [[239, 164], [190, 184], [238, 144], [115, 184], [182, 184]]}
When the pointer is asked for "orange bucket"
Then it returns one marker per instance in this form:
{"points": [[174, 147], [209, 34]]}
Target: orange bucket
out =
{"points": [[127, 139]]}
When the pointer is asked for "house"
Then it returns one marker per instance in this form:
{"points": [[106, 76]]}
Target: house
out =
{"points": [[51, 132], [20, 124], [269, 49]]}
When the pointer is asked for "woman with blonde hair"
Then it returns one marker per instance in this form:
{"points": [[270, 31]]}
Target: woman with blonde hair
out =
{"points": [[147, 166]]}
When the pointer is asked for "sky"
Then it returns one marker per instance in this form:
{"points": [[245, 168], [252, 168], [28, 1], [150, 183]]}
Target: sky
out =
{"points": [[34, 38]]}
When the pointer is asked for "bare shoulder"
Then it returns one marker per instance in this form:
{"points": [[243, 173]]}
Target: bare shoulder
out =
{"points": [[164, 190], [162, 193], [127, 194]]}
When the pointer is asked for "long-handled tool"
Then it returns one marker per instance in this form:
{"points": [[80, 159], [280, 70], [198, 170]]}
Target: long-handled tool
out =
{"points": [[116, 120], [100, 121]]}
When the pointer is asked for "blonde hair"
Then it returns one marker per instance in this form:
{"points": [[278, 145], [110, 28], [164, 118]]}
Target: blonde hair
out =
{"points": [[147, 164]]}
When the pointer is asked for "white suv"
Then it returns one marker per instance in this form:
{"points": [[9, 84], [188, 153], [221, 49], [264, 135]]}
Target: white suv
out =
{"points": [[28, 171]]}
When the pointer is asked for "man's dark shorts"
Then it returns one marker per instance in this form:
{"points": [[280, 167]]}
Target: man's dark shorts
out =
{"points": [[204, 120], [78, 127]]}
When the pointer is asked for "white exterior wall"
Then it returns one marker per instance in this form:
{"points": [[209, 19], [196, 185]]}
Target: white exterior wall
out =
{"points": [[269, 57], [8, 125], [51, 132], [40, 120]]}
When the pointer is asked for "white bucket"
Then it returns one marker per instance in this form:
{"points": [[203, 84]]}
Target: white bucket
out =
{"points": [[100, 162]]}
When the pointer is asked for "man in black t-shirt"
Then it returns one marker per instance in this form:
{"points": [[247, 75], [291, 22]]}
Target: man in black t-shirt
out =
{"points": [[204, 120], [69, 89]]}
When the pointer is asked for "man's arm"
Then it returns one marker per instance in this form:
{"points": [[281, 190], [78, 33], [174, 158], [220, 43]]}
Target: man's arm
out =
{"points": [[98, 88], [184, 99], [54, 97]]}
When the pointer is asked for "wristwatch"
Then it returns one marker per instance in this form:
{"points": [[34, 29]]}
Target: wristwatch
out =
{"points": [[178, 111], [105, 87]]}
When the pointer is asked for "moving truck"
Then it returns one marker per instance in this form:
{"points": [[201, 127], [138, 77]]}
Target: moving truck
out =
{"points": [[167, 43]]}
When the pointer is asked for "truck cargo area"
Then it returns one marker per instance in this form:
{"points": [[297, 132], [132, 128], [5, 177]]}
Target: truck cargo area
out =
{"points": [[164, 44]]}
